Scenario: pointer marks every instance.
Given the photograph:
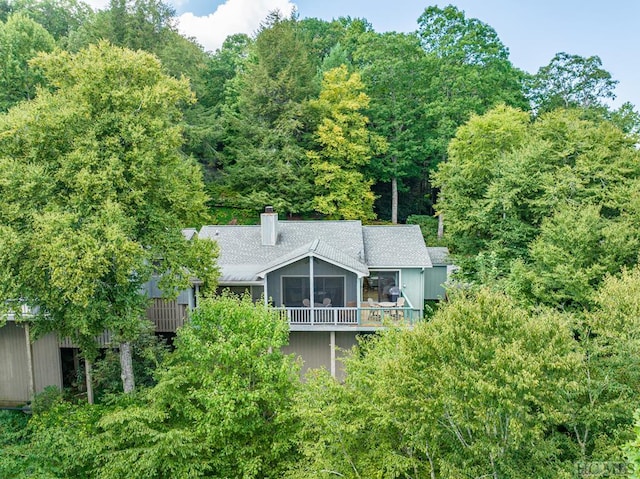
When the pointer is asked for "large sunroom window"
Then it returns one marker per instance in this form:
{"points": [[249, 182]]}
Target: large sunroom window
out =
{"points": [[296, 288]]}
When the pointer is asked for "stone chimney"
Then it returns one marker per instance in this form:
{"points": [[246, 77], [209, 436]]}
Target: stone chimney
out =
{"points": [[269, 226]]}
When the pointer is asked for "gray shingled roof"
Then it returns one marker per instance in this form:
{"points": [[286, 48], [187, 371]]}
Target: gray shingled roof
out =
{"points": [[242, 256], [348, 244], [189, 233], [395, 246], [322, 250], [439, 255]]}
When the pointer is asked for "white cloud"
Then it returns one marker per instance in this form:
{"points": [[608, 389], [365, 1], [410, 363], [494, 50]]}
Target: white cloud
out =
{"points": [[234, 16]]}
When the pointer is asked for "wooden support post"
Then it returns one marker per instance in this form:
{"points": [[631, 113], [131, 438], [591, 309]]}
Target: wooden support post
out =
{"points": [[32, 379], [87, 375], [332, 345]]}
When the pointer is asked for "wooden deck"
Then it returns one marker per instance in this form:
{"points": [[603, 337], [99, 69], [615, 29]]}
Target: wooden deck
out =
{"points": [[168, 316]]}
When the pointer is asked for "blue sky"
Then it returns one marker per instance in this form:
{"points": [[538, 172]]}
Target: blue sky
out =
{"points": [[533, 30]]}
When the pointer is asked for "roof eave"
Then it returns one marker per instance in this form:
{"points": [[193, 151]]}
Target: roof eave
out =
{"points": [[360, 274]]}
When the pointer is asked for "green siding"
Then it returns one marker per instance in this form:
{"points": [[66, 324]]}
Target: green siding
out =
{"points": [[434, 279], [412, 286]]}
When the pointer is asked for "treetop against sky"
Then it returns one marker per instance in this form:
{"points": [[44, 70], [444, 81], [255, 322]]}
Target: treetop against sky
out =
{"points": [[533, 31]]}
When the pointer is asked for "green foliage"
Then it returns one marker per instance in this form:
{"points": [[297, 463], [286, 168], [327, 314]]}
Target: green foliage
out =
{"points": [[510, 186], [58, 17], [46, 400], [11, 425], [464, 180], [345, 147], [222, 408], [602, 414], [633, 449], [428, 227], [13, 440], [222, 405], [571, 81], [449, 34], [576, 247], [395, 74], [21, 39], [469, 72], [477, 391], [149, 352], [95, 192], [264, 124], [58, 443]]}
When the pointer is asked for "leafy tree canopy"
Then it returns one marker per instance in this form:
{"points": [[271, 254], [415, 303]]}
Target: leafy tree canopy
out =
{"points": [[346, 146], [95, 192], [507, 177], [21, 39], [222, 408], [571, 81], [476, 391]]}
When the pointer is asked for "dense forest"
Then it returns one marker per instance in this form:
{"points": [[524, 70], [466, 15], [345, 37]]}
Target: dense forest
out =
{"points": [[116, 131]]}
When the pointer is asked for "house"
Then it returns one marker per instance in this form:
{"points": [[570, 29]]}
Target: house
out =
{"points": [[26, 367], [332, 280]]}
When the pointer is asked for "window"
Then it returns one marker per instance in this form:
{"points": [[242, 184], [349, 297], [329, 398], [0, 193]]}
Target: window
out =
{"points": [[296, 288], [377, 285]]}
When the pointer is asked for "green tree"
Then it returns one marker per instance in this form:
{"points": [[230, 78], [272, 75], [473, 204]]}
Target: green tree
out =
{"points": [[602, 419], [576, 247], [465, 178], [262, 152], [21, 39], [95, 193], [393, 68], [477, 391], [469, 72], [321, 37], [571, 81], [506, 175], [148, 25], [58, 17], [345, 146], [205, 130], [222, 406]]}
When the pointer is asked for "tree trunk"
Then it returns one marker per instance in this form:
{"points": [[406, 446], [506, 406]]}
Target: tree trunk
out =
{"points": [[394, 200], [89, 380], [126, 366], [440, 226]]}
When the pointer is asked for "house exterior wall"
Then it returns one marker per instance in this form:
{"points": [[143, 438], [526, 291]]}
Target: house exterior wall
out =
{"points": [[301, 268], [14, 375], [47, 363], [311, 347], [151, 289], [314, 349], [433, 280], [14, 367], [344, 342], [411, 281]]}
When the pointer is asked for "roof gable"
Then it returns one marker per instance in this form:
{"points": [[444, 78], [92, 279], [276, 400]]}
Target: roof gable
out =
{"points": [[321, 250]]}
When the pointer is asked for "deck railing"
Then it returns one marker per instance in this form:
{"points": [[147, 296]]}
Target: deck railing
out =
{"points": [[167, 315], [350, 316]]}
